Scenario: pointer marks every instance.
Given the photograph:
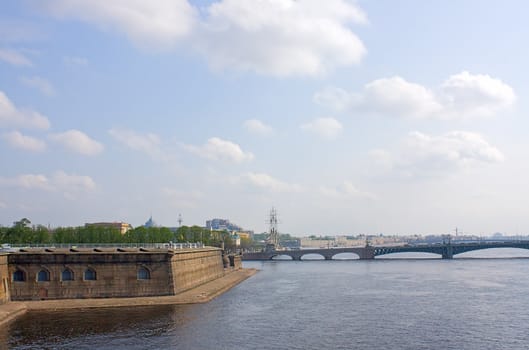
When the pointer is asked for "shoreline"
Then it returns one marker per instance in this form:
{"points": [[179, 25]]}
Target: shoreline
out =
{"points": [[200, 294]]}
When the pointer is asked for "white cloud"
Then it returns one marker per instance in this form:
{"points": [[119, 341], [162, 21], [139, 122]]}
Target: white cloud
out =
{"points": [[381, 158], [27, 181], [424, 155], [222, 150], [344, 191], [328, 128], [182, 199], [470, 95], [461, 96], [71, 184], [16, 31], [267, 182], [281, 37], [75, 60], [397, 96], [156, 24], [78, 142], [3, 205], [256, 126], [14, 58], [276, 37], [17, 140], [10, 115], [40, 84], [333, 97], [148, 143], [68, 184]]}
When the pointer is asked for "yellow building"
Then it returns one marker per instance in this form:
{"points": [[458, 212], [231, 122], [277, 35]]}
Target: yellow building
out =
{"points": [[245, 235], [123, 227]]}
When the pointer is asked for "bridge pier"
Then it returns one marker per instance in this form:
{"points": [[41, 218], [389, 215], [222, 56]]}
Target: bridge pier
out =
{"points": [[448, 252], [367, 253]]}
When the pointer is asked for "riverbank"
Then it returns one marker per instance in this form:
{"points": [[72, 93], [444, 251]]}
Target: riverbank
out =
{"points": [[199, 294]]}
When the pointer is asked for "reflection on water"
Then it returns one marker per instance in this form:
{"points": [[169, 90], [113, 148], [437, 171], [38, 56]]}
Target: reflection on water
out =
{"points": [[64, 327], [382, 304]]}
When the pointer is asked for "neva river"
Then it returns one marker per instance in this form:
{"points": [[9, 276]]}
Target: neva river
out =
{"points": [[381, 304]]}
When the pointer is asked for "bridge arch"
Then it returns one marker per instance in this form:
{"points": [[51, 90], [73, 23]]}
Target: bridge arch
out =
{"points": [[312, 256], [494, 252], [346, 256], [282, 257]]}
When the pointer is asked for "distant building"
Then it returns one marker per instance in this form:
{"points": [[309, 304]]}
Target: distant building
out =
{"points": [[123, 227], [291, 243], [222, 224], [150, 223], [236, 239], [245, 234]]}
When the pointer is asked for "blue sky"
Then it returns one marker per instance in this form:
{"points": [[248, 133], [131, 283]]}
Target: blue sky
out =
{"points": [[349, 117]]}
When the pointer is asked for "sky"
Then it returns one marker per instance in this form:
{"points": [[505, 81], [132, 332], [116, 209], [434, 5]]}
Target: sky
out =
{"points": [[349, 117]]}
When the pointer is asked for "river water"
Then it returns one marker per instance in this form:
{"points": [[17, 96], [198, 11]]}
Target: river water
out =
{"points": [[382, 304]]}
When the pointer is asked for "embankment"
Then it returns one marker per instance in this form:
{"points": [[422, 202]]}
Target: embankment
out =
{"points": [[199, 294], [62, 278]]}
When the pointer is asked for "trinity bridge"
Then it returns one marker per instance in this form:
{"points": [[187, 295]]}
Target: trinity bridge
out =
{"points": [[446, 250]]}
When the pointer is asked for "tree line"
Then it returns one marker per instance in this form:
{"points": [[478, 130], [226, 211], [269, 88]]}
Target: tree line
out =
{"points": [[23, 232]]}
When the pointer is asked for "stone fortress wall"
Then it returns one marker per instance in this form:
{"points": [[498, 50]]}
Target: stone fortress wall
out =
{"points": [[108, 273], [190, 269], [4, 280]]}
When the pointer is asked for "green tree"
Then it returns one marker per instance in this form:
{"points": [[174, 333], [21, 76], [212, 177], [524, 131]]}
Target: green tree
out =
{"points": [[165, 235], [3, 234], [136, 235], [41, 234], [246, 243], [20, 232], [66, 235]]}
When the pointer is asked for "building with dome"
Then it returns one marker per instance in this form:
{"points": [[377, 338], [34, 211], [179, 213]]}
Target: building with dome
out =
{"points": [[150, 223]]}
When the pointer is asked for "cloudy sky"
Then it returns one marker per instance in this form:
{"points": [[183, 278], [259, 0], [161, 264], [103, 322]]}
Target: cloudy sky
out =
{"points": [[395, 117]]}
